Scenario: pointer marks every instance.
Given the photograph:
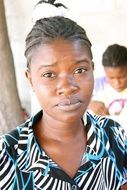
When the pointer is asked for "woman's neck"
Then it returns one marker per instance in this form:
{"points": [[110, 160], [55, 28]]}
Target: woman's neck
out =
{"points": [[60, 131]]}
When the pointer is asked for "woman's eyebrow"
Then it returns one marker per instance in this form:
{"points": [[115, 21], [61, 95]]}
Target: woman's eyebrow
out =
{"points": [[55, 63], [47, 65], [82, 61]]}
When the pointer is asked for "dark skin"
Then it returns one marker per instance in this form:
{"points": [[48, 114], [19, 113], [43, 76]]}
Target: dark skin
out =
{"points": [[98, 108], [61, 75], [63, 145], [124, 187]]}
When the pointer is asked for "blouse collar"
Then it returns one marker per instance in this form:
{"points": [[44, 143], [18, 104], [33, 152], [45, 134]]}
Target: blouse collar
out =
{"points": [[32, 157]]}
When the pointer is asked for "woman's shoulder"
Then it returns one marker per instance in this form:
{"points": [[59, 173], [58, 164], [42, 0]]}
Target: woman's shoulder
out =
{"points": [[109, 132], [11, 138], [105, 123]]}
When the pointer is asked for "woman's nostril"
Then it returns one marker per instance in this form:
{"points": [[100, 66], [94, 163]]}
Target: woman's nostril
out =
{"points": [[67, 89]]}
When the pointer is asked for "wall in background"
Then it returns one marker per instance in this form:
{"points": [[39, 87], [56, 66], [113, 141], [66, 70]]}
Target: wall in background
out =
{"points": [[105, 22]]}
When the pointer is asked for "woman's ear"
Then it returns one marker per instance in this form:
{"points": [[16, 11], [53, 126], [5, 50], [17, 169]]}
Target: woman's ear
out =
{"points": [[28, 76], [93, 65]]}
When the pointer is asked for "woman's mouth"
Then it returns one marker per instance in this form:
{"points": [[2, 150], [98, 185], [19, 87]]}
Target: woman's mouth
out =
{"points": [[68, 105]]}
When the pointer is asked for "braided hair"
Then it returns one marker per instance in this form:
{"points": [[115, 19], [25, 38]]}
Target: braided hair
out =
{"points": [[47, 29], [115, 56], [52, 2]]}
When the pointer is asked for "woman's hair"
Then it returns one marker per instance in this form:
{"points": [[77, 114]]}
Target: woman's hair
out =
{"points": [[52, 2], [115, 56], [46, 30]]}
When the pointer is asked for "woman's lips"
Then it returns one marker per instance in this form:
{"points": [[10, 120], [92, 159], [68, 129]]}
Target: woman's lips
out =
{"points": [[69, 105]]}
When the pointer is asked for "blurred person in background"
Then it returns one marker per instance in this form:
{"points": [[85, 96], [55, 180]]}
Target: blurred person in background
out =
{"points": [[110, 91]]}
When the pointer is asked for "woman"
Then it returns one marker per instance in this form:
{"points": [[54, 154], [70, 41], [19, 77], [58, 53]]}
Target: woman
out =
{"points": [[63, 146]]}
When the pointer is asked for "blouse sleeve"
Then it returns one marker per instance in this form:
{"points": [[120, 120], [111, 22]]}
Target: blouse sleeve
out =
{"points": [[6, 164], [125, 163]]}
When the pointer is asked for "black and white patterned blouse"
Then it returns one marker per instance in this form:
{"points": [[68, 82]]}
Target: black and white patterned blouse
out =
{"points": [[24, 165]]}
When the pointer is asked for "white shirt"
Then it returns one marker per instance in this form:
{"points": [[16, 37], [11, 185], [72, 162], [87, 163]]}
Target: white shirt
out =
{"points": [[115, 101]]}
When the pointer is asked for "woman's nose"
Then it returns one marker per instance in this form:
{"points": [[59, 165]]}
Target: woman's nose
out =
{"points": [[67, 86]]}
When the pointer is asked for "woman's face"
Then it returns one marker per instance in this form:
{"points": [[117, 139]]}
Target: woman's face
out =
{"points": [[61, 76]]}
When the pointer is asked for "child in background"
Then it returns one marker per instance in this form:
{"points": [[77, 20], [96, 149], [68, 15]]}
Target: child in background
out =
{"points": [[110, 92]]}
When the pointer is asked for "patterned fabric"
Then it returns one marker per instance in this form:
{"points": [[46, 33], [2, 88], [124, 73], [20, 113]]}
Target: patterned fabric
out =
{"points": [[24, 165]]}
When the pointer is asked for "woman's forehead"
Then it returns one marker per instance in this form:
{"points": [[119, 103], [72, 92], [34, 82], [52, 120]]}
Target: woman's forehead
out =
{"points": [[63, 48]]}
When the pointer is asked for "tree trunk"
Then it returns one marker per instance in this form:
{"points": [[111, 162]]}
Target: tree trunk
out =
{"points": [[10, 106]]}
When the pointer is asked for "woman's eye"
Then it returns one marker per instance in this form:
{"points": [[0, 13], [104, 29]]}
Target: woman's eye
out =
{"points": [[48, 75], [80, 70]]}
